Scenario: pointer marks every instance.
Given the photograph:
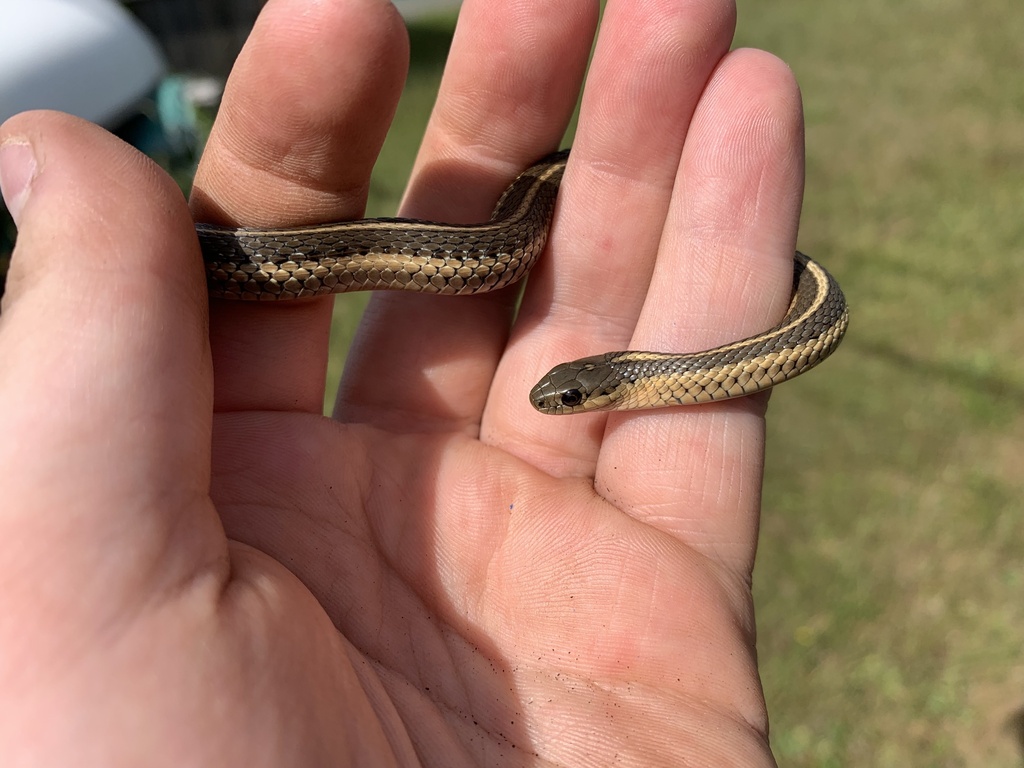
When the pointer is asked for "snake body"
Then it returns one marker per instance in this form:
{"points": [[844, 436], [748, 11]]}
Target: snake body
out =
{"points": [[812, 328], [388, 254], [407, 254]]}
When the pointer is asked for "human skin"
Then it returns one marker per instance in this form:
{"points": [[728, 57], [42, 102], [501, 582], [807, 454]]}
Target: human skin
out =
{"points": [[199, 568]]}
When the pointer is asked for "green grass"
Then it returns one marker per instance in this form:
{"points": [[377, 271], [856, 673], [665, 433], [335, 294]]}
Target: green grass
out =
{"points": [[889, 580]]}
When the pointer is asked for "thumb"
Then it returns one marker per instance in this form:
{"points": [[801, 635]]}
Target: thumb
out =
{"points": [[105, 384]]}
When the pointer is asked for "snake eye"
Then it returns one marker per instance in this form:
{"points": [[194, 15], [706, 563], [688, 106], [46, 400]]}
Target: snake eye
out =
{"points": [[571, 398]]}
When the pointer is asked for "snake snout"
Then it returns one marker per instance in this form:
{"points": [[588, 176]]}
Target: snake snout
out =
{"points": [[551, 397], [572, 388]]}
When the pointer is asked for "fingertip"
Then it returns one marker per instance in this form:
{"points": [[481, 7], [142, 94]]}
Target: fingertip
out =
{"points": [[742, 176], [750, 112], [304, 114]]}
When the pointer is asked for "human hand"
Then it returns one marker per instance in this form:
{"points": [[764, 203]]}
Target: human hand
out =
{"points": [[439, 575]]}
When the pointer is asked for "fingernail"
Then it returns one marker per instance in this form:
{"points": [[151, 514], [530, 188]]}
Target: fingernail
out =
{"points": [[17, 170]]}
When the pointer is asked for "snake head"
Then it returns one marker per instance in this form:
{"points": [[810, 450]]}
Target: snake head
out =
{"points": [[582, 385]]}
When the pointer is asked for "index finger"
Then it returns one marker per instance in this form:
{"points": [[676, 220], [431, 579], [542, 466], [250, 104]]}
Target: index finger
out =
{"points": [[304, 114]]}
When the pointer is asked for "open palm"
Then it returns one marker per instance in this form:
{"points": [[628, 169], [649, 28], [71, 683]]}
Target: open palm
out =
{"points": [[438, 575]]}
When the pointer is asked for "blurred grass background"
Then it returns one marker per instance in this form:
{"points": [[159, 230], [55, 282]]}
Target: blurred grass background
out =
{"points": [[889, 581], [891, 569]]}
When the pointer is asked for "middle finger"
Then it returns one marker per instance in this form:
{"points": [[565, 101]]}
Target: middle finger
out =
{"points": [[511, 82]]}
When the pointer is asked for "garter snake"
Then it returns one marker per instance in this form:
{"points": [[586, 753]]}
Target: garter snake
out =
{"points": [[407, 254]]}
